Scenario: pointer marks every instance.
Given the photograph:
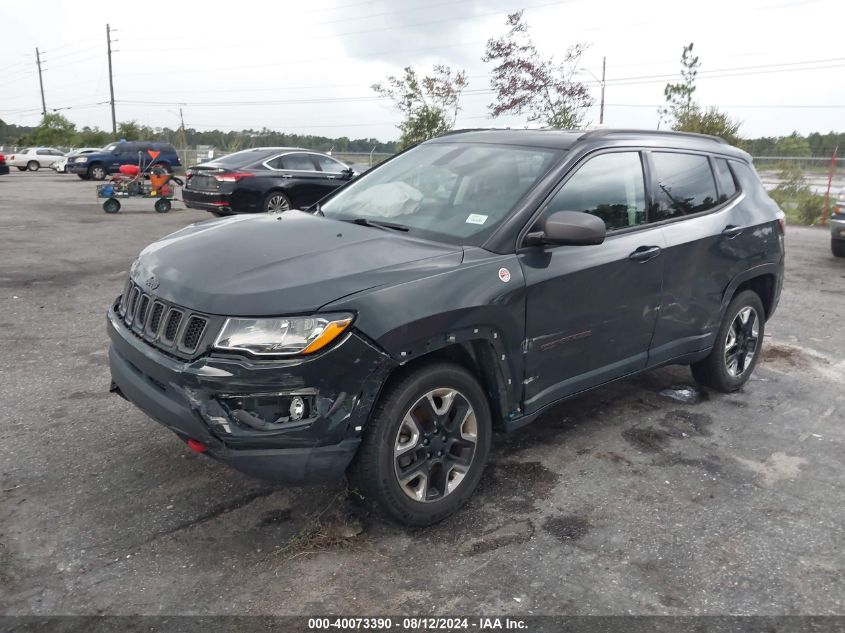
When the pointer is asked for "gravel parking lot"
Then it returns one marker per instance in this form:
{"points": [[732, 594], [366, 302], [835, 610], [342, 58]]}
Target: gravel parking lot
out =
{"points": [[647, 496]]}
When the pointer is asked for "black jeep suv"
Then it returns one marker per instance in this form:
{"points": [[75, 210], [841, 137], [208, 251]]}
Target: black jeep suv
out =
{"points": [[465, 285]]}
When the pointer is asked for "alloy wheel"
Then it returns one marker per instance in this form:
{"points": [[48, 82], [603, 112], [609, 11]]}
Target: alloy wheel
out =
{"points": [[742, 341], [435, 445], [277, 204]]}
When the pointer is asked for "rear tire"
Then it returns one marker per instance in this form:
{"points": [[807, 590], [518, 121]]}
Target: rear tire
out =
{"points": [[21, 168], [162, 205], [97, 172], [276, 202], [837, 247], [738, 345], [33, 165], [425, 446]]}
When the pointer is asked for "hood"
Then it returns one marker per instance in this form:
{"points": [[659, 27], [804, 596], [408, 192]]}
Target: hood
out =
{"points": [[292, 263]]}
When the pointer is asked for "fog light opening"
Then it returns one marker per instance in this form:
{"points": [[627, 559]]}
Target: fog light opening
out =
{"points": [[268, 412]]}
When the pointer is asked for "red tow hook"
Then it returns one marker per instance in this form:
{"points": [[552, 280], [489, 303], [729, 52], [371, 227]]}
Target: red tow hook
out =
{"points": [[197, 446]]}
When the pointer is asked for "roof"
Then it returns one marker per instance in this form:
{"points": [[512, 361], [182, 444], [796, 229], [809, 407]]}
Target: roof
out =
{"points": [[564, 139]]}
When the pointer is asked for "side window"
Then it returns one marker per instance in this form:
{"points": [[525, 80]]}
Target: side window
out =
{"points": [[609, 186], [329, 164], [685, 185], [727, 186], [43, 152], [298, 162]]}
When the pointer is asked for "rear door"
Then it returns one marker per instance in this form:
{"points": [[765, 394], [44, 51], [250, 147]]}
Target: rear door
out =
{"points": [[304, 183], [591, 310], [705, 247]]}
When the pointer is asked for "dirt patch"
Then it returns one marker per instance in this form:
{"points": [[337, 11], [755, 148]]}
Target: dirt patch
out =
{"points": [[508, 534], [710, 464], [337, 526], [567, 528], [777, 467], [275, 517], [790, 357], [648, 439], [680, 423], [614, 458]]}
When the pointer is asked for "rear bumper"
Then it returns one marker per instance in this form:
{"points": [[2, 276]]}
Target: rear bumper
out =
{"points": [[211, 201], [188, 397]]}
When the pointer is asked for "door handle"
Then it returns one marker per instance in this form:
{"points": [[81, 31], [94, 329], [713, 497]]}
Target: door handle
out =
{"points": [[287, 176], [645, 253], [731, 231]]}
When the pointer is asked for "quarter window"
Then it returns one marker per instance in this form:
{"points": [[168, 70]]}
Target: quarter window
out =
{"points": [[727, 186], [298, 162], [685, 185], [609, 186]]}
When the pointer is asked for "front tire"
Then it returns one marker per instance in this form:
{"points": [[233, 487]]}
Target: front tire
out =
{"points": [[737, 348], [22, 168], [83, 176], [162, 205], [111, 205], [837, 247], [97, 172], [426, 446], [33, 165]]}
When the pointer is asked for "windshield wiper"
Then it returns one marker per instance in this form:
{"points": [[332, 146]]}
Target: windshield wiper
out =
{"points": [[381, 225]]}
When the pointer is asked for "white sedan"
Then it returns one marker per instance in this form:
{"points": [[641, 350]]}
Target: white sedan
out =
{"points": [[61, 165], [34, 158]]}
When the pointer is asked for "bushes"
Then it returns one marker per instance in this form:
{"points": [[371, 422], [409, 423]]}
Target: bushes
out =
{"points": [[797, 200]]}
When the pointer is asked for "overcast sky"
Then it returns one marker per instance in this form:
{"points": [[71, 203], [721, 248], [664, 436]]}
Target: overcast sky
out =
{"points": [[307, 66]]}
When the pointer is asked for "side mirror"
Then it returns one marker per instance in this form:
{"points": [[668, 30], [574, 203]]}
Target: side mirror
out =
{"points": [[572, 228], [348, 173]]}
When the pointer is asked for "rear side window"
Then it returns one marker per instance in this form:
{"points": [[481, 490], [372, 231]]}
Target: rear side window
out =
{"points": [[298, 162], [685, 185], [727, 186], [609, 186]]}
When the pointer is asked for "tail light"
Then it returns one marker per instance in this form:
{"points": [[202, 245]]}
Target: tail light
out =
{"points": [[782, 223], [12, 157], [232, 176]]}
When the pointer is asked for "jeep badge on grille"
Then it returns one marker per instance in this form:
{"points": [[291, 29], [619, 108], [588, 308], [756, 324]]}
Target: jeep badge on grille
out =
{"points": [[151, 283]]}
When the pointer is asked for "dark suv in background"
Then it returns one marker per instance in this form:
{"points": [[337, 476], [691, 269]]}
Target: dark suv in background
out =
{"points": [[145, 154], [469, 283], [264, 179]]}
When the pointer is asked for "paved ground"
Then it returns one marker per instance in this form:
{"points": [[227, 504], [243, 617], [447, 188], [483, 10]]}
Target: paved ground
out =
{"points": [[623, 501]]}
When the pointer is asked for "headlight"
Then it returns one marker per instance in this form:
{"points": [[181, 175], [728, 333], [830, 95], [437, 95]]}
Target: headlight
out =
{"points": [[282, 336], [81, 159]]}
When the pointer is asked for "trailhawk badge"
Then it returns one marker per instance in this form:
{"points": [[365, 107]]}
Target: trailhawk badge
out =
{"points": [[504, 275]]}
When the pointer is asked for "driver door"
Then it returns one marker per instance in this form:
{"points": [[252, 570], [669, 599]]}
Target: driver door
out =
{"points": [[591, 310]]}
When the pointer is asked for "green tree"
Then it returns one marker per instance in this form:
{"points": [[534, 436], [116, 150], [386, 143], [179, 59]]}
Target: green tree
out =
{"points": [[526, 82], [709, 121], [54, 130], [684, 114], [92, 137], [428, 104], [793, 145], [133, 131]]}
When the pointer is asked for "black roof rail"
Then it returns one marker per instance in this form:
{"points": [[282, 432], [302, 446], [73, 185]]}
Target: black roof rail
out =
{"points": [[609, 131]]}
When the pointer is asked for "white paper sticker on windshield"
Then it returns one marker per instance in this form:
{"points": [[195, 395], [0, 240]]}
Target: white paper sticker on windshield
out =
{"points": [[475, 218]]}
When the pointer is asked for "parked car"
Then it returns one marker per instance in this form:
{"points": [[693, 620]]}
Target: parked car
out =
{"points": [[266, 179], [97, 165], [837, 226], [4, 168], [34, 158], [60, 166], [467, 284]]}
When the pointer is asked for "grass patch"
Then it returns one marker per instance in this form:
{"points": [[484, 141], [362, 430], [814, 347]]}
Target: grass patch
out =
{"points": [[795, 197], [335, 527]]}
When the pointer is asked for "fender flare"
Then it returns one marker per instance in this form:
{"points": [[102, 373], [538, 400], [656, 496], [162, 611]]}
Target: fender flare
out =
{"points": [[775, 269]]}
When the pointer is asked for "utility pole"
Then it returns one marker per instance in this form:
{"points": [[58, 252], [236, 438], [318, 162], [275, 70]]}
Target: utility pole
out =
{"points": [[111, 83], [601, 110], [183, 141], [41, 83]]}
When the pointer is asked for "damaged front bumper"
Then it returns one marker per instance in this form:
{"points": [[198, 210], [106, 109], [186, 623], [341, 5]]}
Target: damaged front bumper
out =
{"points": [[293, 421]]}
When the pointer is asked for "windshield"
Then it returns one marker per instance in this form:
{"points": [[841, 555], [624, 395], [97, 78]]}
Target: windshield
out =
{"points": [[110, 148], [449, 192]]}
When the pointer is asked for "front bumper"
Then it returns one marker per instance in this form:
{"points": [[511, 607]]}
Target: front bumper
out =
{"points": [[837, 226], [77, 168], [189, 398]]}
